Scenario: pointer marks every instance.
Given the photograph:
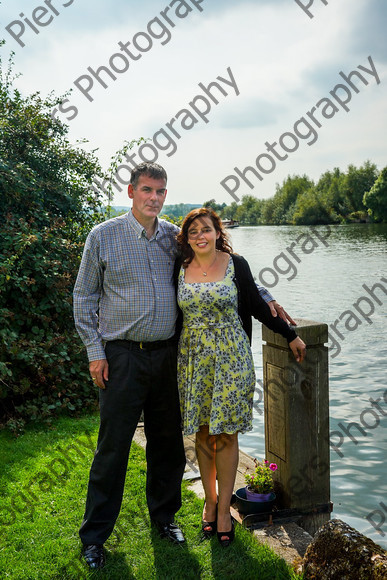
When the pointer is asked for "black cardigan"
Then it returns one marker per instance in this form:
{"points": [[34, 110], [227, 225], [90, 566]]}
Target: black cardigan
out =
{"points": [[250, 302]]}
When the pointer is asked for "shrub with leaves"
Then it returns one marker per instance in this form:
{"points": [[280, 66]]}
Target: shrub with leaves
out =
{"points": [[47, 208]]}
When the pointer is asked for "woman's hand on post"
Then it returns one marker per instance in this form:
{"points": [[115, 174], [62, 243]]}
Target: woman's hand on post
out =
{"points": [[298, 348], [99, 372]]}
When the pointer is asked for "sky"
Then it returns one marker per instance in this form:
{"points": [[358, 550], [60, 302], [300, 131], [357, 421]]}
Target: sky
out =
{"points": [[273, 62]]}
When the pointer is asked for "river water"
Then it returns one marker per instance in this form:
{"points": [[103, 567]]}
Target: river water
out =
{"points": [[328, 273]]}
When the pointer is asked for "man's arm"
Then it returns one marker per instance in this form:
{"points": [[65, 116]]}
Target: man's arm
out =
{"points": [[87, 291], [275, 308]]}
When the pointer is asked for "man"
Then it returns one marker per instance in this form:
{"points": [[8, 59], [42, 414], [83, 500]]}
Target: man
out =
{"points": [[125, 313]]}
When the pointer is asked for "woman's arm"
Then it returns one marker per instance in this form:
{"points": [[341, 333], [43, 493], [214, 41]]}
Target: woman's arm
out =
{"points": [[261, 311]]}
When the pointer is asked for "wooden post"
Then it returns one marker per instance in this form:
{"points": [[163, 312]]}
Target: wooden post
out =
{"points": [[297, 422]]}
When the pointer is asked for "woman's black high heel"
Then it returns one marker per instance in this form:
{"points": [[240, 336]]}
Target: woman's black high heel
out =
{"points": [[209, 528], [229, 536]]}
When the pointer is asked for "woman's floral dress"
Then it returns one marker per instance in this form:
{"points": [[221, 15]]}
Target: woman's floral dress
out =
{"points": [[215, 366]]}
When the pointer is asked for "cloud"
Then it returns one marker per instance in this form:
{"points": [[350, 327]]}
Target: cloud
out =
{"points": [[282, 61], [247, 113], [369, 30]]}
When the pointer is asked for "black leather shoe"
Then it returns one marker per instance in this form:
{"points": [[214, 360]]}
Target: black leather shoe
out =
{"points": [[94, 556], [170, 531]]}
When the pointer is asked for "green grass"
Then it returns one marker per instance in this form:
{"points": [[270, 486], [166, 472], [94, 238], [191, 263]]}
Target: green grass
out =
{"points": [[43, 483]]}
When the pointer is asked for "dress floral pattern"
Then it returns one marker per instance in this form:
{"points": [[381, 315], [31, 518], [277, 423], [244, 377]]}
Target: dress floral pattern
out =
{"points": [[215, 366]]}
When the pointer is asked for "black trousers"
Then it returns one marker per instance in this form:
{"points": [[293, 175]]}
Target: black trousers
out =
{"points": [[138, 380]]}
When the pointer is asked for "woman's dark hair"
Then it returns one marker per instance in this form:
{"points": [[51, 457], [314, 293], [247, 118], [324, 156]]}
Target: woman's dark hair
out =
{"points": [[222, 243]]}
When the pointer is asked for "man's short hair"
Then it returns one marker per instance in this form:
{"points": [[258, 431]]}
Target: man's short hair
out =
{"points": [[152, 170]]}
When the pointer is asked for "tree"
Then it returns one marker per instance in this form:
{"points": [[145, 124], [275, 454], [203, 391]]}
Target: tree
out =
{"points": [[329, 191], [268, 208], [376, 198], [249, 212], [308, 209], [286, 196], [217, 207], [229, 212], [47, 207], [357, 182]]}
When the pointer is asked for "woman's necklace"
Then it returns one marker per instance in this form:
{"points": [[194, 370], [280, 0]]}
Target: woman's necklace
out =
{"points": [[209, 267]]}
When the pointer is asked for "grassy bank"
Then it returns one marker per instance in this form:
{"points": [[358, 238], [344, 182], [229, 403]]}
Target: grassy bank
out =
{"points": [[42, 492]]}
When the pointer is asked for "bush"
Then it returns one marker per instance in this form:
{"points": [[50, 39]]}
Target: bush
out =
{"points": [[47, 207]]}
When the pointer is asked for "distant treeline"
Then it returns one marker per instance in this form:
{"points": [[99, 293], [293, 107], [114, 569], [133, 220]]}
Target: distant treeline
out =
{"points": [[179, 209], [173, 212], [357, 195]]}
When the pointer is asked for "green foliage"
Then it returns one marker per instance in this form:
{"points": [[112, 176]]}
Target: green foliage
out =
{"points": [[179, 210], [249, 212], [229, 212], [218, 207], [173, 220], [341, 194], [44, 368], [329, 191], [376, 198], [357, 182], [309, 209], [337, 197], [286, 196], [47, 208]]}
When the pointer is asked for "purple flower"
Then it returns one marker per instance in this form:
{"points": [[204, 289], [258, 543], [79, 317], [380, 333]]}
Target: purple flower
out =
{"points": [[273, 466]]}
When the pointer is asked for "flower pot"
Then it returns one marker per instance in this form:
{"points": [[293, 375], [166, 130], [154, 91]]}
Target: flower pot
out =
{"points": [[246, 506], [254, 496]]}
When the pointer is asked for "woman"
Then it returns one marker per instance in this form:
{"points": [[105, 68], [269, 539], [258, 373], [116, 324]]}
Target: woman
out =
{"points": [[217, 296]]}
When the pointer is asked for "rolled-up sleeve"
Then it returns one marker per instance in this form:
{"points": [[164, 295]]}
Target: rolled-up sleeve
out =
{"points": [[265, 294]]}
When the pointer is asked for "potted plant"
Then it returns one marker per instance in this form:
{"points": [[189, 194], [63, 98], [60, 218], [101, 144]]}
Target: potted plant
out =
{"points": [[258, 496], [260, 483]]}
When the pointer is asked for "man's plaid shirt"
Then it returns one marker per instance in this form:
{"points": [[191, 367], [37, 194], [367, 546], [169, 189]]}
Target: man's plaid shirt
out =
{"points": [[124, 288]]}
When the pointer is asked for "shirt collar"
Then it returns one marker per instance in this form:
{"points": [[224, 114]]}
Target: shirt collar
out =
{"points": [[139, 229]]}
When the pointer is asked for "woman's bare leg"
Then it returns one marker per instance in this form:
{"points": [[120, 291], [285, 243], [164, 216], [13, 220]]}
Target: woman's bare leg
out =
{"points": [[226, 460], [205, 452]]}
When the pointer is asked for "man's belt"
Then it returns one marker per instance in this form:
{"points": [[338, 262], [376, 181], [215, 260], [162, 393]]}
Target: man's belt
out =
{"points": [[154, 345]]}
